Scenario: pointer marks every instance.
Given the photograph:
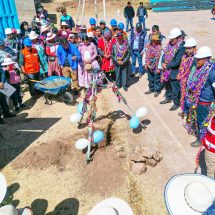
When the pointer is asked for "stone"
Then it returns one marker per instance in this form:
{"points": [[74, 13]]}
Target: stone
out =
{"points": [[151, 162], [136, 157], [121, 154], [139, 168], [147, 152], [158, 156]]}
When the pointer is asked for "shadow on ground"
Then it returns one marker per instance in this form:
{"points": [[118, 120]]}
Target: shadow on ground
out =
{"points": [[19, 133]]}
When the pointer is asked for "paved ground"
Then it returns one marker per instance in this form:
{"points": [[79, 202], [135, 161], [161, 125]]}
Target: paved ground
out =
{"points": [[44, 170]]}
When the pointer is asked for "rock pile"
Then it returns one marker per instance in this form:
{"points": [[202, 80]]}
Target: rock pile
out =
{"points": [[143, 156]]}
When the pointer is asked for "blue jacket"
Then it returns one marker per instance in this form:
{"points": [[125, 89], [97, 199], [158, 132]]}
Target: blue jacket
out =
{"points": [[208, 91], [72, 51], [142, 40]]}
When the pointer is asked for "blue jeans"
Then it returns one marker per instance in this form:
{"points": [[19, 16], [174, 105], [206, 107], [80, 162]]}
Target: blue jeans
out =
{"points": [[129, 21], [137, 56], [202, 112], [142, 21], [154, 81]]}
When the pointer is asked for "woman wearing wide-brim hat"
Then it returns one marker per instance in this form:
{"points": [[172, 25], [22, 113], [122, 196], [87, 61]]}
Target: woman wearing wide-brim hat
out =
{"points": [[64, 31], [111, 206], [190, 194]]}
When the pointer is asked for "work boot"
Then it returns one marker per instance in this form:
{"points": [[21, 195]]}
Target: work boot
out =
{"points": [[174, 107], [149, 92], [165, 101], [196, 144]]}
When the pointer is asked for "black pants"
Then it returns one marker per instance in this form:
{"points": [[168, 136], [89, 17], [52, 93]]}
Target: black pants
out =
{"points": [[3, 103], [110, 76], [16, 96], [168, 93], [176, 91], [35, 76], [154, 81], [121, 76]]}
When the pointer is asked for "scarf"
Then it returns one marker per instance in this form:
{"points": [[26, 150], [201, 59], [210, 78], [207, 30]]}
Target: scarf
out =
{"points": [[169, 54], [183, 75], [121, 50], [153, 54]]}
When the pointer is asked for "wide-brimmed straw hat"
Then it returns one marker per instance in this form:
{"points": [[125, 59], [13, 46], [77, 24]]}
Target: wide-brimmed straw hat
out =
{"points": [[33, 35], [44, 28], [8, 61], [74, 31], [189, 194], [111, 206], [3, 187], [11, 210], [50, 36]]}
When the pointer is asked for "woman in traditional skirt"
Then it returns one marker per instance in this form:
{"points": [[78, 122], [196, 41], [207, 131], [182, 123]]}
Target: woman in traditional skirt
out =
{"points": [[51, 49]]}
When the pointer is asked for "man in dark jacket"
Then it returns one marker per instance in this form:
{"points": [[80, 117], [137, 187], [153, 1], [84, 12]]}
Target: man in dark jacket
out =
{"points": [[138, 41], [142, 14], [173, 66], [120, 56], [129, 15]]}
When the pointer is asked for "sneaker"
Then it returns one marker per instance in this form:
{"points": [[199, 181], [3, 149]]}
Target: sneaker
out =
{"points": [[125, 89], [156, 94], [22, 105], [137, 75], [17, 109], [9, 114], [140, 75], [195, 144], [149, 92]]}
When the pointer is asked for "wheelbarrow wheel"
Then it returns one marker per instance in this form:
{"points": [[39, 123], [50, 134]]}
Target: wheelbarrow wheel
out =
{"points": [[68, 98]]}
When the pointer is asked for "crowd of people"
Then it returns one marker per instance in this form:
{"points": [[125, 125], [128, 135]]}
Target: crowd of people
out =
{"points": [[39, 50]]}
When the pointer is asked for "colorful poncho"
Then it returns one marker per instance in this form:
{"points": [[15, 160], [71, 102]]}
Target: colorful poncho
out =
{"points": [[153, 54], [183, 75], [121, 50], [195, 84], [106, 47], [169, 54]]}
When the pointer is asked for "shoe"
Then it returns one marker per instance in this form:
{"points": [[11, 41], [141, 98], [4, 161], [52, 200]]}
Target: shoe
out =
{"points": [[17, 109], [156, 94], [174, 107], [137, 75], [195, 144], [149, 92], [2, 121], [140, 75], [22, 105], [165, 101], [132, 75], [125, 89], [9, 114]]}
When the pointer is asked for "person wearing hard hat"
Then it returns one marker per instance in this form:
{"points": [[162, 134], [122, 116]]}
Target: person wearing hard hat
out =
{"points": [[92, 28], [173, 54], [67, 18], [30, 64], [138, 41], [184, 70], [200, 92], [113, 24], [120, 29], [11, 40]]}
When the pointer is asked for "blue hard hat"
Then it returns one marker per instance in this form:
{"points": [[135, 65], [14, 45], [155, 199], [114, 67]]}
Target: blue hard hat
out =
{"points": [[92, 21], [113, 22], [27, 42], [121, 26]]}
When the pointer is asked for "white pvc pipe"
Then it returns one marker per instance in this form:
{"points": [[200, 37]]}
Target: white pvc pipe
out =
{"points": [[96, 11], [104, 9], [78, 13], [83, 5]]}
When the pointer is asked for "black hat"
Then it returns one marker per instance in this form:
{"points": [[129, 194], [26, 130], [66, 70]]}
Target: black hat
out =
{"points": [[138, 25]]}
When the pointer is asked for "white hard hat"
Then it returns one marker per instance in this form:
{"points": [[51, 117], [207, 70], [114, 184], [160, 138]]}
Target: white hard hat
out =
{"points": [[90, 34], [191, 42], [8, 31], [174, 33], [203, 52]]}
